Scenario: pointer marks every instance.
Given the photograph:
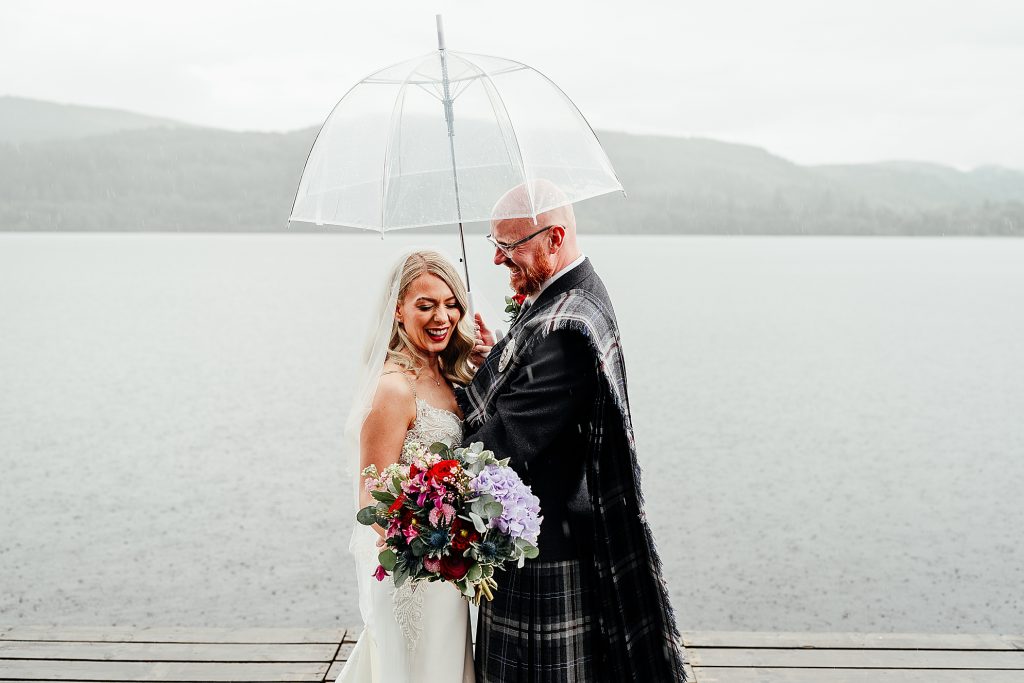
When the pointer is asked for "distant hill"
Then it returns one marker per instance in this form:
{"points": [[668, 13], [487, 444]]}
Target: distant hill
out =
{"points": [[24, 120], [155, 175], [698, 186]]}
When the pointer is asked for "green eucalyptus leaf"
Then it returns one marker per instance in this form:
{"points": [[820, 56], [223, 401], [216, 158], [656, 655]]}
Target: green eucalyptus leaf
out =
{"points": [[387, 559], [478, 522], [475, 573], [493, 509], [367, 516], [531, 551]]}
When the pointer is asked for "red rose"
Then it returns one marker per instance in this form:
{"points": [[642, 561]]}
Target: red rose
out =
{"points": [[445, 468], [462, 535], [519, 298], [413, 470], [454, 567], [397, 504]]}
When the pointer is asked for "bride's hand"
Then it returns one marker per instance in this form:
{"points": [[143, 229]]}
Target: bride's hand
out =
{"points": [[483, 342]]}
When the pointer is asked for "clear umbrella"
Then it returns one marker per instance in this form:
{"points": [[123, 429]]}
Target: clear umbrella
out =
{"points": [[438, 139]]}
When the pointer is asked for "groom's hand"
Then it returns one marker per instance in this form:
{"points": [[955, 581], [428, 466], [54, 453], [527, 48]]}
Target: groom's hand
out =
{"points": [[483, 342]]}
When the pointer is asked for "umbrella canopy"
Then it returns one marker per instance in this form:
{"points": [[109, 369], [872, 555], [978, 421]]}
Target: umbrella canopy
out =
{"points": [[438, 139]]}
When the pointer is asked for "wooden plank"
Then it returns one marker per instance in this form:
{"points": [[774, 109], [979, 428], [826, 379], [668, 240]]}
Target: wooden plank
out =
{"points": [[181, 652], [756, 675], [857, 659], [31, 670], [334, 671], [344, 651], [909, 641], [176, 634]]}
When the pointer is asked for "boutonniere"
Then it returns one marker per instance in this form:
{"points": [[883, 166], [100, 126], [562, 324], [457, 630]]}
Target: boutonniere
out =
{"points": [[514, 306]]}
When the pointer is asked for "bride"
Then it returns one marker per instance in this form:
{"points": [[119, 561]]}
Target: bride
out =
{"points": [[422, 345]]}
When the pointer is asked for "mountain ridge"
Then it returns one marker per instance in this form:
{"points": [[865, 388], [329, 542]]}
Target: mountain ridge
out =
{"points": [[117, 171], [27, 120]]}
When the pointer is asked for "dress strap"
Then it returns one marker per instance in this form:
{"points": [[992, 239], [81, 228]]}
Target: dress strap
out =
{"points": [[412, 384]]}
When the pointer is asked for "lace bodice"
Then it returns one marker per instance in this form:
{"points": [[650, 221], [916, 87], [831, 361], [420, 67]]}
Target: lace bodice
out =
{"points": [[434, 424]]}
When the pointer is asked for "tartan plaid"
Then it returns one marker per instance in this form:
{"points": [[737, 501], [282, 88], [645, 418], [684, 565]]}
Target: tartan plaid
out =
{"points": [[541, 627], [638, 634]]}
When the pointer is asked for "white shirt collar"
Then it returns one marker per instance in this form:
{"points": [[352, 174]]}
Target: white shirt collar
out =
{"points": [[550, 280]]}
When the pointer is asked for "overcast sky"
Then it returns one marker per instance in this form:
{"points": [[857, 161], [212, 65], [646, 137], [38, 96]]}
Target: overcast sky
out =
{"points": [[815, 81]]}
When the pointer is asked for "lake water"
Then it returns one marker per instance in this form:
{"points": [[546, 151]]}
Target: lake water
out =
{"points": [[830, 428]]}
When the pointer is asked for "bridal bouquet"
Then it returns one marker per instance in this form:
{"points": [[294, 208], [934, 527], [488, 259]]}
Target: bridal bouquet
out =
{"points": [[451, 515]]}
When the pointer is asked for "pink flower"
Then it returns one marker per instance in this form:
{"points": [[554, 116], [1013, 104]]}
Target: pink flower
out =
{"points": [[432, 564], [445, 511], [380, 573]]}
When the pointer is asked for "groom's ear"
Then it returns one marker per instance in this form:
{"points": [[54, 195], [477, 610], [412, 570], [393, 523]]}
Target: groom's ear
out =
{"points": [[557, 237]]}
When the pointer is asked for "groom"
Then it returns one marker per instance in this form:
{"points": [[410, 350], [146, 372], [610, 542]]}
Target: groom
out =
{"points": [[551, 396]]}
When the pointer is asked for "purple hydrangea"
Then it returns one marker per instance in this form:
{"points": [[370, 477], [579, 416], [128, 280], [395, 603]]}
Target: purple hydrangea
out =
{"points": [[520, 515]]}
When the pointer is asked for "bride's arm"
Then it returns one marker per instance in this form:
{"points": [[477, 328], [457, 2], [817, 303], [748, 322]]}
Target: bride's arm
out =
{"points": [[391, 415]]}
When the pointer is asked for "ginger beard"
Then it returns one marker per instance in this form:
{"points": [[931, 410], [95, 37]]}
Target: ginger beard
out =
{"points": [[527, 280]]}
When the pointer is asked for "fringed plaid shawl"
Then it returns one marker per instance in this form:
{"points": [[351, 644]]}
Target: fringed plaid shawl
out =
{"points": [[637, 623]]}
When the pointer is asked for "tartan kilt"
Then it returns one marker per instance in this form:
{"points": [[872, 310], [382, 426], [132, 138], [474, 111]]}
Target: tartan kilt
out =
{"points": [[541, 627]]}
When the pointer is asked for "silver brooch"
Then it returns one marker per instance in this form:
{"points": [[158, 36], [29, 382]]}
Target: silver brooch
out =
{"points": [[506, 354]]}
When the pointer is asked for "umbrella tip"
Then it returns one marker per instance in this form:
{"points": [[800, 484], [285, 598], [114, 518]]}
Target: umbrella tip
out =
{"points": [[440, 31]]}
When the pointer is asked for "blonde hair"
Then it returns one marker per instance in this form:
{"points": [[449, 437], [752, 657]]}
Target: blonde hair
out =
{"points": [[454, 359]]}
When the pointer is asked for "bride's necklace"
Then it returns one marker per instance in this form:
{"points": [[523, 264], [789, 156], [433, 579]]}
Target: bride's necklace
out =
{"points": [[437, 382]]}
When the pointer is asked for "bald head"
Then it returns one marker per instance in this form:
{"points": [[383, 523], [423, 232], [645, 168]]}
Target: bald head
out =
{"points": [[546, 253]]}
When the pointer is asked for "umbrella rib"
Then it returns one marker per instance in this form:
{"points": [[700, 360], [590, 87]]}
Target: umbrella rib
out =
{"points": [[492, 93], [384, 184], [309, 155], [461, 88], [427, 90], [600, 147]]}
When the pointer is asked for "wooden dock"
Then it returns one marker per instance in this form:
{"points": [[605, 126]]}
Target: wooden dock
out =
{"points": [[309, 655]]}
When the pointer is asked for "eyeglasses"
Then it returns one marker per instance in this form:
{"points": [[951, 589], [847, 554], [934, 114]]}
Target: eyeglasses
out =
{"points": [[507, 249]]}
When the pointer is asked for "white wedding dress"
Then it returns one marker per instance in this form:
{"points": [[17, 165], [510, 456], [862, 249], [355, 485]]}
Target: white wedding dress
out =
{"points": [[419, 633]]}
